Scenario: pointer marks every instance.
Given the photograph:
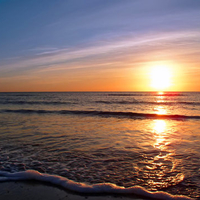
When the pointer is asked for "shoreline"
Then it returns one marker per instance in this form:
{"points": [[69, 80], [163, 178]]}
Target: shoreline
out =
{"points": [[33, 185], [36, 190]]}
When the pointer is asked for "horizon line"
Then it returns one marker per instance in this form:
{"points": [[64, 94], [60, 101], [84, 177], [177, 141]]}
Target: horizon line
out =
{"points": [[89, 91]]}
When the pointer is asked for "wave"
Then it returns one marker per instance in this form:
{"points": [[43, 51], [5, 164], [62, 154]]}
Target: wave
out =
{"points": [[131, 115], [100, 102], [101, 188]]}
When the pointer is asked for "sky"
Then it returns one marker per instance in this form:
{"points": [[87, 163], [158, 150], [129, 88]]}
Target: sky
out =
{"points": [[99, 45]]}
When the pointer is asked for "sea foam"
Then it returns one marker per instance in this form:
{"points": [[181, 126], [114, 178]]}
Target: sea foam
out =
{"points": [[101, 188]]}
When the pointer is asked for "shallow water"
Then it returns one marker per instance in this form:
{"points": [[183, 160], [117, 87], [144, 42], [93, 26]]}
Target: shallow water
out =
{"points": [[146, 139]]}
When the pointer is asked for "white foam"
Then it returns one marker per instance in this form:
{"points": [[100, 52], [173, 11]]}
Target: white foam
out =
{"points": [[86, 188]]}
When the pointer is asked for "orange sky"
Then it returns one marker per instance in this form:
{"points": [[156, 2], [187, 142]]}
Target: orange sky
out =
{"points": [[127, 78], [114, 71]]}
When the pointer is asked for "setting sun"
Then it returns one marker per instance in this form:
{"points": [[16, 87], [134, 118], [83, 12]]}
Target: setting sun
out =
{"points": [[160, 77]]}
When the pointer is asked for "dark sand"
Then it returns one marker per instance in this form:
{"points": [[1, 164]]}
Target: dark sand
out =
{"points": [[34, 190]]}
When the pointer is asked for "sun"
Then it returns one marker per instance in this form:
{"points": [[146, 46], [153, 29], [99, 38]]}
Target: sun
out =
{"points": [[160, 77]]}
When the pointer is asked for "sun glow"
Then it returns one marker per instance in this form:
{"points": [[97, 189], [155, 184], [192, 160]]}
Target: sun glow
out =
{"points": [[160, 77], [159, 133], [159, 126]]}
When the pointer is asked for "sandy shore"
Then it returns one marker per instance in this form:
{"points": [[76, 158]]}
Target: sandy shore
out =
{"points": [[33, 190]]}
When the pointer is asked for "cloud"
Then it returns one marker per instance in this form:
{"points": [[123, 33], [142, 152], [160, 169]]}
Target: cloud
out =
{"points": [[140, 47]]}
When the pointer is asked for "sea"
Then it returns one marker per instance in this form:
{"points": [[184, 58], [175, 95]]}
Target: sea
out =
{"points": [[143, 143]]}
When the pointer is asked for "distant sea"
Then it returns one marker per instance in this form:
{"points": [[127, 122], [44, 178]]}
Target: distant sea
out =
{"points": [[103, 141]]}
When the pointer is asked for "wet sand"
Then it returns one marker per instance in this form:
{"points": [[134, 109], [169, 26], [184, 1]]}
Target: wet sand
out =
{"points": [[33, 190]]}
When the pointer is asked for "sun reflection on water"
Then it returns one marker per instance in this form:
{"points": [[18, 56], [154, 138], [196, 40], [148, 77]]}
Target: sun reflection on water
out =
{"points": [[161, 138], [160, 93], [159, 109], [159, 126], [159, 164], [160, 98]]}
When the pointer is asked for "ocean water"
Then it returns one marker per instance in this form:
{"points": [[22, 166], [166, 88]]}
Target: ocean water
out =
{"points": [[145, 143]]}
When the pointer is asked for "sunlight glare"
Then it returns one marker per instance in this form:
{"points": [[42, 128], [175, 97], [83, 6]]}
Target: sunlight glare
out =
{"points": [[160, 77], [159, 130], [160, 110], [159, 126]]}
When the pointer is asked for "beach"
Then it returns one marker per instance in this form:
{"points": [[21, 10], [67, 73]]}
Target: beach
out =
{"points": [[34, 190]]}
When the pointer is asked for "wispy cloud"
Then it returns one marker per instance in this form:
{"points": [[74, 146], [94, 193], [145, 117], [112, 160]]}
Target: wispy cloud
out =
{"points": [[175, 43]]}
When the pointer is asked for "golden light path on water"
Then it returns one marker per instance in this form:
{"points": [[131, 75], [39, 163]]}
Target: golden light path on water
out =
{"points": [[158, 108], [162, 167]]}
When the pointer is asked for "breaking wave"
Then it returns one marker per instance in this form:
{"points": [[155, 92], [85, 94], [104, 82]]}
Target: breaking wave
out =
{"points": [[101, 188]]}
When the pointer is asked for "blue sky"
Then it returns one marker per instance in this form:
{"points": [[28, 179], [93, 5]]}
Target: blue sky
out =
{"points": [[43, 40]]}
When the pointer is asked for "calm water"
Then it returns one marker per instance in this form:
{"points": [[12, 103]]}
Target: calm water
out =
{"points": [[146, 139]]}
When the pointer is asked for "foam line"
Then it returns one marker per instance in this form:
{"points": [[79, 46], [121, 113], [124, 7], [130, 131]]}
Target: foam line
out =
{"points": [[101, 188]]}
